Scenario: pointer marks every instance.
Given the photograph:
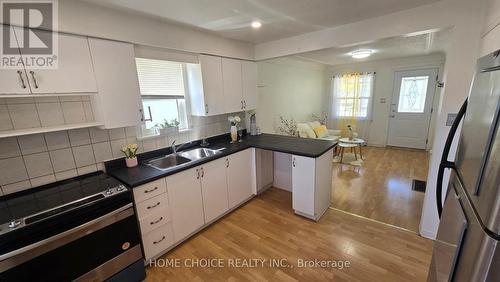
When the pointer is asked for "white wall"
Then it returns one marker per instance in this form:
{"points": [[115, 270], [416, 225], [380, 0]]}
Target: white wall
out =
{"points": [[85, 19], [291, 88], [491, 28], [383, 88], [459, 68]]}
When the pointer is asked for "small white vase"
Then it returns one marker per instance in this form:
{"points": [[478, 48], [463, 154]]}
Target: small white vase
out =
{"points": [[132, 162], [234, 133]]}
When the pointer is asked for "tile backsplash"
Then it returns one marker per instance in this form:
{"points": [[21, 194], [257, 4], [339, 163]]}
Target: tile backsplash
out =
{"points": [[28, 112], [33, 160]]}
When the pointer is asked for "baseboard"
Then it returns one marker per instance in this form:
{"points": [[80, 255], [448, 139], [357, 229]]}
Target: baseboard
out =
{"points": [[376, 145], [282, 188]]}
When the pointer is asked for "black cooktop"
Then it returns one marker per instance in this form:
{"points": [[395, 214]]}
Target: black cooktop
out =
{"points": [[35, 200]]}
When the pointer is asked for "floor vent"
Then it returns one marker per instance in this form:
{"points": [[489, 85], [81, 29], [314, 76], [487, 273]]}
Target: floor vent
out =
{"points": [[418, 185]]}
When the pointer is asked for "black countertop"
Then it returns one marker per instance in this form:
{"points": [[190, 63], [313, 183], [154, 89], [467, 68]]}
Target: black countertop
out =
{"points": [[142, 174]]}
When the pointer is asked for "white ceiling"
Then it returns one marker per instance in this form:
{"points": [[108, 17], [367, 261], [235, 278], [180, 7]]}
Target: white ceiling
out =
{"points": [[396, 47], [280, 18]]}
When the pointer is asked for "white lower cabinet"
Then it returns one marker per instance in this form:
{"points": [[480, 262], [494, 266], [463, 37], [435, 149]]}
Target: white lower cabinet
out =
{"points": [[241, 180], [157, 241], [303, 181], [214, 189], [311, 184], [186, 202], [171, 209], [154, 216]]}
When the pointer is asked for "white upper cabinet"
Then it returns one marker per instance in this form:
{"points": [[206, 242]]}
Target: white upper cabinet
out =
{"points": [[119, 99], [231, 74], [206, 86], [73, 74], [221, 85], [241, 183], [214, 189], [13, 81], [249, 84]]}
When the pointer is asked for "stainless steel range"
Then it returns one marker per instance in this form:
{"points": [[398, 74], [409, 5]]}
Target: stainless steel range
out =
{"points": [[78, 229]]}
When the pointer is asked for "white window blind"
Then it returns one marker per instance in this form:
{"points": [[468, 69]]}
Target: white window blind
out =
{"points": [[163, 93], [160, 78]]}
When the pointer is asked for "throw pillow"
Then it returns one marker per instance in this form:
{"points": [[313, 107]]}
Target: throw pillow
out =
{"points": [[321, 131]]}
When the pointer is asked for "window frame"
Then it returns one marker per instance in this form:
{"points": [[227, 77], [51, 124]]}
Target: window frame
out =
{"points": [[337, 99], [150, 132]]}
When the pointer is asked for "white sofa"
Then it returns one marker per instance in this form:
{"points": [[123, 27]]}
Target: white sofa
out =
{"points": [[305, 130]]}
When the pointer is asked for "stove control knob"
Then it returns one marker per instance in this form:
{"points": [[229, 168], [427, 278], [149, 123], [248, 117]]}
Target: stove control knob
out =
{"points": [[109, 192], [120, 188], [14, 223]]}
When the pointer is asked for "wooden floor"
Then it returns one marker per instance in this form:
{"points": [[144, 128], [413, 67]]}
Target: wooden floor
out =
{"points": [[266, 228], [381, 188]]}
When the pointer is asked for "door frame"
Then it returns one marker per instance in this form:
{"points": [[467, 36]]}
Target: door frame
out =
{"points": [[395, 71]]}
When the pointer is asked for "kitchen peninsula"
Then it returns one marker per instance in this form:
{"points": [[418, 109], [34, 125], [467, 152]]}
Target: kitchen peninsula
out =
{"points": [[187, 197]]}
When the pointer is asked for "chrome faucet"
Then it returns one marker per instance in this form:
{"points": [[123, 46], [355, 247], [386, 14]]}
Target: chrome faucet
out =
{"points": [[174, 149]]}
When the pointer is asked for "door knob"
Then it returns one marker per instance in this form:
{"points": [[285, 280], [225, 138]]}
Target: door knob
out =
{"points": [[393, 116]]}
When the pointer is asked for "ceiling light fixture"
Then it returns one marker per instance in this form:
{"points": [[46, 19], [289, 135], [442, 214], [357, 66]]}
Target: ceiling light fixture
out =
{"points": [[256, 24], [361, 53]]}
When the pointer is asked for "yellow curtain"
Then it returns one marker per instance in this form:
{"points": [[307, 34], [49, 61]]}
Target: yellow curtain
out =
{"points": [[349, 89]]}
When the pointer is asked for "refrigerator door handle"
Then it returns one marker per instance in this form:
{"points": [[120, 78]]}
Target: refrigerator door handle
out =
{"points": [[444, 158]]}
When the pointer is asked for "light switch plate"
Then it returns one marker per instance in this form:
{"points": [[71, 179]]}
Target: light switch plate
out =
{"points": [[450, 119]]}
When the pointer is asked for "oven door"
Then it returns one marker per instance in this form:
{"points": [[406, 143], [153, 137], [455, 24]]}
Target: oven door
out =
{"points": [[93, 251]]}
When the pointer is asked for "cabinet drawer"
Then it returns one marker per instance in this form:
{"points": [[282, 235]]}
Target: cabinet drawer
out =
{"points": [[150, 190], [152, 205], [158, 241], [154, 220]]}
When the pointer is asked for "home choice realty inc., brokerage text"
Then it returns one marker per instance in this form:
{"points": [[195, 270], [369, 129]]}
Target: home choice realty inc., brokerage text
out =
{"points": [[248, 263]]}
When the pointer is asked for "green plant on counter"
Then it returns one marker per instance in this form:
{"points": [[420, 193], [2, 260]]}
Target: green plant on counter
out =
{"points": [[130, 151], [167, 124]]}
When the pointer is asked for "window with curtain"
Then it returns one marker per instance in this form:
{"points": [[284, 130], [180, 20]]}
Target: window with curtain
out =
{"points": [[351, 103], [163, 92], [352, 95]]}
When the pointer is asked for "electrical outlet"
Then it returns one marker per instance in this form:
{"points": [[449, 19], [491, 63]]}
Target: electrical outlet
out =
{"points": [[382, 100], [450, 119]]}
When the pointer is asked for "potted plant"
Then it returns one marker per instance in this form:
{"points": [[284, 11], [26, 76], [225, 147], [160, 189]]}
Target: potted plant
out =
{"points": [[235, 121], [130, 152], [167, 127], [350, 132], [288, 127]]}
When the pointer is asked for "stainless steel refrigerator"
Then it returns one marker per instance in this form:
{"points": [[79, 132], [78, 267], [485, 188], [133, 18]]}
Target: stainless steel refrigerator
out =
{"points": [[467, 244]]}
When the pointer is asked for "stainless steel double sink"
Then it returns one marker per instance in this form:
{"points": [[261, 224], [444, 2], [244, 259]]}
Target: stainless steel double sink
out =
{"points": [[177, 159]]}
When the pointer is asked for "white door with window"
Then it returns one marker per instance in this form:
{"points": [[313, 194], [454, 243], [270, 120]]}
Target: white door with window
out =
{"points": [[411, 108]]}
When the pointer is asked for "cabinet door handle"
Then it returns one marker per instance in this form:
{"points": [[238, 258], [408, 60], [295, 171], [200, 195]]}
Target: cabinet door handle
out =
{"points": [[155, 222], [206, 108], [150, 115], [20, 73], [149, 191], [241, 105], [34, 78], [153, 206], [141, 112], [197, 173], [227, 162], [293, 162], [244, 104], [202, 172], [162, 238]]}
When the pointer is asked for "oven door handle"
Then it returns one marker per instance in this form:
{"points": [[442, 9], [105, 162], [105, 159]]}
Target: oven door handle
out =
{"points": [[36, 249]]}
